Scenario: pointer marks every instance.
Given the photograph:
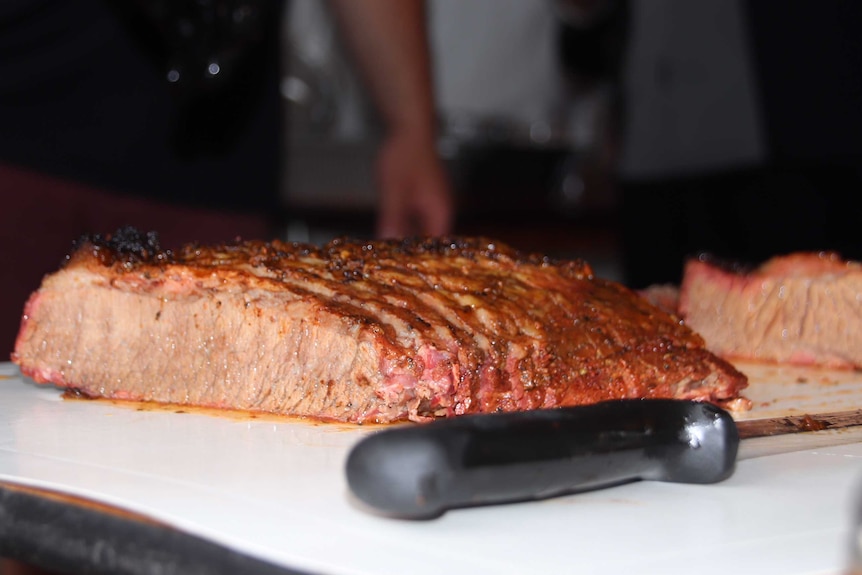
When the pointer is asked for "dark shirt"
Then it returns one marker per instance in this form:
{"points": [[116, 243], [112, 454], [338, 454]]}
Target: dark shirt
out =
{"points": [[84, 95], [808, 60]]}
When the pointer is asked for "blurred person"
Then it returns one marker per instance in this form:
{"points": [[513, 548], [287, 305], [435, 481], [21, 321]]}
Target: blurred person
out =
{"points": [[739, 129], [165, 115], [389, 40]]}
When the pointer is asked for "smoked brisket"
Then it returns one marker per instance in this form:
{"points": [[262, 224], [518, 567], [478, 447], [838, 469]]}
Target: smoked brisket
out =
{"points": [[375, 331], [802, 308]]}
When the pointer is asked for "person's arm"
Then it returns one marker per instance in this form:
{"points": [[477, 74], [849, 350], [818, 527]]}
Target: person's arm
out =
{"points": [[389, 43]]}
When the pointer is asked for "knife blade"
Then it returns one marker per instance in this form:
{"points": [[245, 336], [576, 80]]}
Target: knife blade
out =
{"points": [[421, 471]]}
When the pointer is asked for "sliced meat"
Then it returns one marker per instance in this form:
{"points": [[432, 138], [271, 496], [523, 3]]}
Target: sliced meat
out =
{"points": [[803, 308], [355, 331], [663, 296]]}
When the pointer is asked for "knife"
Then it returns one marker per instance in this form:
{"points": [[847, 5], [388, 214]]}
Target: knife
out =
{"points": [[421, 471]]}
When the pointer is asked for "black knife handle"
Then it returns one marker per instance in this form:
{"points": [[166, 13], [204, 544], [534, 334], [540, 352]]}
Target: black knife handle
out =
{"points": [[421, 471]]}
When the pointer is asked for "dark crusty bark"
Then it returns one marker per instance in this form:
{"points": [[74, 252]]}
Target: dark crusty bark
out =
{"points": [[355, 331]]}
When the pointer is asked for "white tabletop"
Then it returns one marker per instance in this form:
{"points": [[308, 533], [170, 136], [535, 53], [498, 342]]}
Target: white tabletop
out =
{"points": [[276, 490]]}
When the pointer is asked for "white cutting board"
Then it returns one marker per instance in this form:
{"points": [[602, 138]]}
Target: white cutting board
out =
{"points": [[276, 490]]}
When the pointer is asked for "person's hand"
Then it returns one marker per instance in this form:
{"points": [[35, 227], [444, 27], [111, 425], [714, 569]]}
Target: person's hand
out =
{"points": [[389, 41], [415, 197]]}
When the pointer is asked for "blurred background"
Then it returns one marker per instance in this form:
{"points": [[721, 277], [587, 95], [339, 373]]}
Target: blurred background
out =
{"points": [[632, 134], [526, 109]]}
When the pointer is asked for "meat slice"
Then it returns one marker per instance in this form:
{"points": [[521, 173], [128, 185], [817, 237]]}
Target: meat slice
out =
{"points": [[355, 331], [803, 308]]}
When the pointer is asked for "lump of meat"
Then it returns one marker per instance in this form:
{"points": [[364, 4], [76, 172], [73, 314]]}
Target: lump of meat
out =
{"points": [[803, 308], [355, 331]]}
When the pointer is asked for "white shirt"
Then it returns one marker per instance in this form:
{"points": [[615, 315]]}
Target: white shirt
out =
{"points": [[689, 90]]}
